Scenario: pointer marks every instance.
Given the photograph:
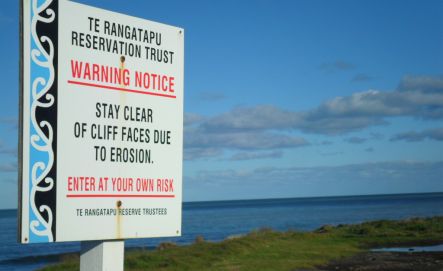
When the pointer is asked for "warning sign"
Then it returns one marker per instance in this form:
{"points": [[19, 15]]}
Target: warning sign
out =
{"points": [[101, 126]]}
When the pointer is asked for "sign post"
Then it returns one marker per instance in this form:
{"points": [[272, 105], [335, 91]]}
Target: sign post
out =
{"points": [[102, 255], [101, 128]]}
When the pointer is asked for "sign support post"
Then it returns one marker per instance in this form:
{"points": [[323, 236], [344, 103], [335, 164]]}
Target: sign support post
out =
{"points": [[102, 255]]}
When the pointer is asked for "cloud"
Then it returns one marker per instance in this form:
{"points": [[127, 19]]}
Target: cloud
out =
{"points": [[241, 140], [199, 153], [335, 153], [376, 136], [11, 179], [11, 151], [7, 149], [353, 173], [369, 108], [211, 96], [192, 119], [428, 84], [202, 143], [6, 18], [361, 77], [10, 121], [326, 143], [260, 117], [270, 128], [412, 136], [338, 65], [361, 140], [340, 115], [356, 140], [256, 155], [352, 179], [8, 167], [208, 137]]}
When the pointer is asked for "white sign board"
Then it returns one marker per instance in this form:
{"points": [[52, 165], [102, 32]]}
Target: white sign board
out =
{"points": [[101, 125]]}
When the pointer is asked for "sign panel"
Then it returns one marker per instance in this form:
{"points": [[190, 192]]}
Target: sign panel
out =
{"points": [[101, 125]]}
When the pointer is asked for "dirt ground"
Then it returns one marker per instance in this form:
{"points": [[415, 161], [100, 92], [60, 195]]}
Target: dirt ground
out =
{"points": [[389, 261]]}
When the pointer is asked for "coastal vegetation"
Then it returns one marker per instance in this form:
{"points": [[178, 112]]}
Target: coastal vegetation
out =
{"points": [[266, 249]]}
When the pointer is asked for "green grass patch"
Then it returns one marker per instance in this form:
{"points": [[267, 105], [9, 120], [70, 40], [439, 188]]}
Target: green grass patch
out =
{"points": [[271, 250]]}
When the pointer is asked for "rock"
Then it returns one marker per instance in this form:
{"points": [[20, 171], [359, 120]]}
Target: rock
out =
{"points": [[199, 239]]}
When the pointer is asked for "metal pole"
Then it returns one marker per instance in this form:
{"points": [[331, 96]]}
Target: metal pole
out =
{"points": [[102, 255]]}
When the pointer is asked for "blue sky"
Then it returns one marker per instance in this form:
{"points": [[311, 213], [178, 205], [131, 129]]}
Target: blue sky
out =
{"points": [[289, 98]]}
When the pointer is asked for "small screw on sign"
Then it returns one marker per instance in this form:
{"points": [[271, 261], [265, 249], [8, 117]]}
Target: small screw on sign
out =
{"points": [[119, 203], [122, 67]]}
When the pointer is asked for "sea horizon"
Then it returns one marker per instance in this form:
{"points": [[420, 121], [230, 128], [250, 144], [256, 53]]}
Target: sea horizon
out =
{"points": [[292, 198]]}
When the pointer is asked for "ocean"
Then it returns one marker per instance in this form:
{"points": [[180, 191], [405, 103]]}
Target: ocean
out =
{"points": [[217, 220]]}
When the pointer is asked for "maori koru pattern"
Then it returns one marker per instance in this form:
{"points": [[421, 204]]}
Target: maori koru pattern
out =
{"points": [[43, 119]]}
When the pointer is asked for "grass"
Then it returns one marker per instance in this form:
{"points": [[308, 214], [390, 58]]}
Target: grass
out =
{"points": [[266, 249]]}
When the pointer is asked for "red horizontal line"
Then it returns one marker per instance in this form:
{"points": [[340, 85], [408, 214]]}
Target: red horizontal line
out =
{"points": [[117, 196], [121, 89]]}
